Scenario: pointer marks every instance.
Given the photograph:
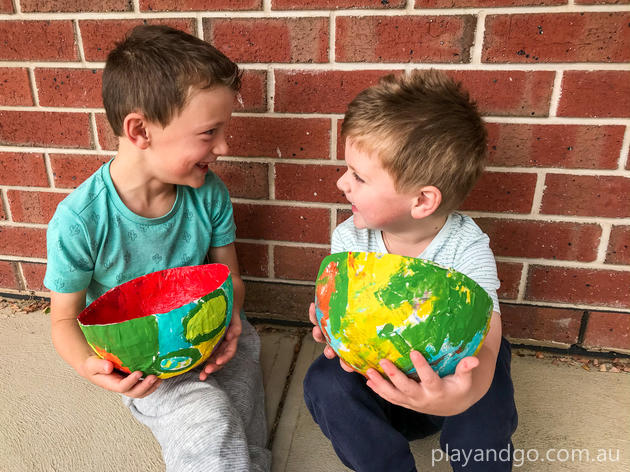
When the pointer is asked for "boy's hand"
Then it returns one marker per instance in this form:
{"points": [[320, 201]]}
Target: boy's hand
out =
{"points": [[432, 395], [319, 337], [101, 372], [226, 349]]}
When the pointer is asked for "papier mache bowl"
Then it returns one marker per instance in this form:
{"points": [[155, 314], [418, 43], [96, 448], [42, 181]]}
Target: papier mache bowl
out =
{"points": [[373, 306], [163, 323]]}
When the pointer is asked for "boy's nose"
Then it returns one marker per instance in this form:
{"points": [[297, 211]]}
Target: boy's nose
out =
{"points": [[221, 148], [342, 182]]}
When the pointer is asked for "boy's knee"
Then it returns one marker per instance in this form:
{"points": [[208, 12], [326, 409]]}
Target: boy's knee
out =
{"points": [[325, 379], [316, 377]]}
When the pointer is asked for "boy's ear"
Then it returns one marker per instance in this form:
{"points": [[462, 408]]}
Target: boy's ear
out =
{"points": [[426, 202], [135, 130]]}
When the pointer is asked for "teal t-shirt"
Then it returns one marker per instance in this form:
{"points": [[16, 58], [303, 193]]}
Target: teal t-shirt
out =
{"points": [[94, 241]]}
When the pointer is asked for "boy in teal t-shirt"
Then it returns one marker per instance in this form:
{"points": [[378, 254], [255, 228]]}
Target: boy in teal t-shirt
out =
{"points": [[168, 97]]}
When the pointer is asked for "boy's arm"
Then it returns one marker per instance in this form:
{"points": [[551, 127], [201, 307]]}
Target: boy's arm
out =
{"points": [[226, 350], [447, 396], [71, 345]]}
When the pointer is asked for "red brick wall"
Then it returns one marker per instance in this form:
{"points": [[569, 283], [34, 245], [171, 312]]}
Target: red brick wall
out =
{"points": [[552, 78]]}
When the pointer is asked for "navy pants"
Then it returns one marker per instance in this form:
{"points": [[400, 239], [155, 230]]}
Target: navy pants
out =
{"points": [[371, 434]]}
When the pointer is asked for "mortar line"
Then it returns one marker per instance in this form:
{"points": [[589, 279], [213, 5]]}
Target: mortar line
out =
{"points": [[285, 391]]}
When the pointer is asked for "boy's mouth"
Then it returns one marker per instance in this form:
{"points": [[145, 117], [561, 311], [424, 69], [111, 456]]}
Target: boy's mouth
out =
{"points": [[354, 209], [202, 166]]}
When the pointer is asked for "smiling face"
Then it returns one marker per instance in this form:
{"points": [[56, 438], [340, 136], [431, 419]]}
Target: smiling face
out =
{"points": [[376, 204], [180, 152]]}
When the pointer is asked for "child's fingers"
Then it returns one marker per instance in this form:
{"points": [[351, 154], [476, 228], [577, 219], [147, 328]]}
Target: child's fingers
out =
{"points": [[463, 371], [312, 314], [400, 380], [95, 365], [344, 365], [428, 377], [329, 353], [127, 383], [317, 335], [380, 386], [142, 388]]}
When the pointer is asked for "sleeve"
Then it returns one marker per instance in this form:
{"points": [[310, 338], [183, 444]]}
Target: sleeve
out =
{"points": [[477, 262], [221, 215], [70, 263]]}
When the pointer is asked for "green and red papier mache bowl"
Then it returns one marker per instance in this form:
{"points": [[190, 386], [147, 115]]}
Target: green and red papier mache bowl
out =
{"points": [[373, 306], [163, 323]]}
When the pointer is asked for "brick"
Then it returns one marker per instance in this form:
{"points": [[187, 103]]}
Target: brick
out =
{"points": [[586, 195], [22, 241], [23, 169], [484, 3], [601, 2], [523, 93], [442, 39], [559, 325], [282, 223], [309, 183], [341, 142], [508, 192], [106, 137], [320, 91], [506, 93], [281, 301], [607, 330], [99, 36], [343, 215], [541, 239], [199, 5], [253, 259], [619, 246], [244, 179], [15, 87], [270, 39], [43, 128], [34, 274], [335, 4], [595, 94], [564, 146], [290, 138], [33, 207], [69, 87], [9, 276], [578, 286], [510, 278], [6, 6], [298, 263], [70, 170], [39, 6], [254, 91], [532, 38], [38, 40]]}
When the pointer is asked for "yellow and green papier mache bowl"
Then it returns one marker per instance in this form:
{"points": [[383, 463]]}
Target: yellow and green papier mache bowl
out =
{"points": [[163, 323], [373, 306]]}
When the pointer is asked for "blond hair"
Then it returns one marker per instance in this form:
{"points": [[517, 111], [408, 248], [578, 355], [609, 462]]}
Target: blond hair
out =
{"points": [[426, 131]]}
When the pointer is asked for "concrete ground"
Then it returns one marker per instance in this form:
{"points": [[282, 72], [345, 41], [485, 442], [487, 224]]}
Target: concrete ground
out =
{"points": [[573, 417]]}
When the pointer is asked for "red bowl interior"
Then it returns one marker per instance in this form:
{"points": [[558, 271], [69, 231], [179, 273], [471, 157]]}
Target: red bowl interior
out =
{"points": [[157, 292]]}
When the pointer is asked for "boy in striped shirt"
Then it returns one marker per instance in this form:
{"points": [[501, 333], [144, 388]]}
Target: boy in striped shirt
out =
{"points": [[415, 146]]}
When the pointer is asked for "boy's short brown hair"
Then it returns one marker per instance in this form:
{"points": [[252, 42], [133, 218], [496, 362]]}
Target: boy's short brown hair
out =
{"points": [[426, 131], [153, 70]]}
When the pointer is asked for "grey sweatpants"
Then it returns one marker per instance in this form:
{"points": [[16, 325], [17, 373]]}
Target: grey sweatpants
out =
{"points": [[217, 425]]}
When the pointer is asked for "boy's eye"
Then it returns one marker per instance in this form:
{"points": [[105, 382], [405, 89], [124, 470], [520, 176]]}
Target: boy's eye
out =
{"points": [[209, 132], [357, 178]]}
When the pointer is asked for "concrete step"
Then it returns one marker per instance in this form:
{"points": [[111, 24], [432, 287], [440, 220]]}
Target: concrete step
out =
{"points": [[51, 419]]}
